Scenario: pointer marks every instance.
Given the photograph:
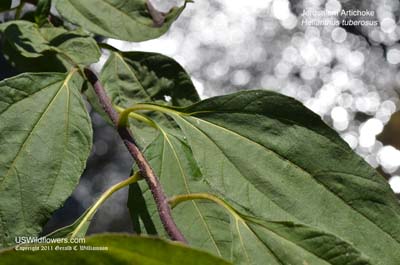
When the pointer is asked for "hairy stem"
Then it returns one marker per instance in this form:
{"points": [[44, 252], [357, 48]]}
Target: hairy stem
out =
{"points": [[93, 209], [145, 169]]}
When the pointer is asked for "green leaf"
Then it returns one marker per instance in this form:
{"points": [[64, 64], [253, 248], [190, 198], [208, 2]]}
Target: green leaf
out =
{"points": [[46, 130], [49, 62], [121, 249], [257, 241], [30, 41], [26, 38], [133, 20], [134, 77], [276, 159], [5, 5], [42, 11], [241, 239], [205, 225]]}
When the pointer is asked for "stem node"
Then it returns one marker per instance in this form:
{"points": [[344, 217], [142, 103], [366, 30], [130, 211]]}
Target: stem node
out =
{"points": [[145, 169]]}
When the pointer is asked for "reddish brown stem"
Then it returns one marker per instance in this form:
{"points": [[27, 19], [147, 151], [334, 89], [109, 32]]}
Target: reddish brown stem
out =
{"points": [[145, 169]]}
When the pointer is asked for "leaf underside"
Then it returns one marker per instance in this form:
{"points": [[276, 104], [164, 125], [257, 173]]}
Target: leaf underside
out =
{"points": [[134, 77], [124, 20], [271, 157], [32, 48], [243, 240], [46, 137]]}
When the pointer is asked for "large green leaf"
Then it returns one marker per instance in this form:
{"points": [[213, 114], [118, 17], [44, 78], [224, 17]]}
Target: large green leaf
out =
{"points": [[241, 239], [134, 77], [29, 41], [45, 139], [121, 249], [133, 20], [278, 160], [257, 241]]}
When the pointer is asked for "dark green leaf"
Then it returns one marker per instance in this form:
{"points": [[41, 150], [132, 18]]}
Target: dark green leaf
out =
{"points": [[46, 137], [269, 154], [121, 249], [30, 41], [132, 20], [135, 77]]}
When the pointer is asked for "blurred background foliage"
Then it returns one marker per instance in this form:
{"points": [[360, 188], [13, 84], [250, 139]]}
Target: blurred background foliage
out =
{"points": [[349, 75]]}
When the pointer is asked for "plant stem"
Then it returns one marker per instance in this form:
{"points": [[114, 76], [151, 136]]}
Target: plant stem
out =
{"points": [[93, 209], [145, 169]]}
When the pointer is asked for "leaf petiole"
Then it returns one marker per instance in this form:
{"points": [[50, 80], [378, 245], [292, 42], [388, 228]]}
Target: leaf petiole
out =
{"points": [[93, 209], [130, 113], [175, 200]]}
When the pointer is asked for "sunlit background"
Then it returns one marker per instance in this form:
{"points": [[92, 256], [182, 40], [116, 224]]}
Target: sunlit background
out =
{"points": [[347, 75]]}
